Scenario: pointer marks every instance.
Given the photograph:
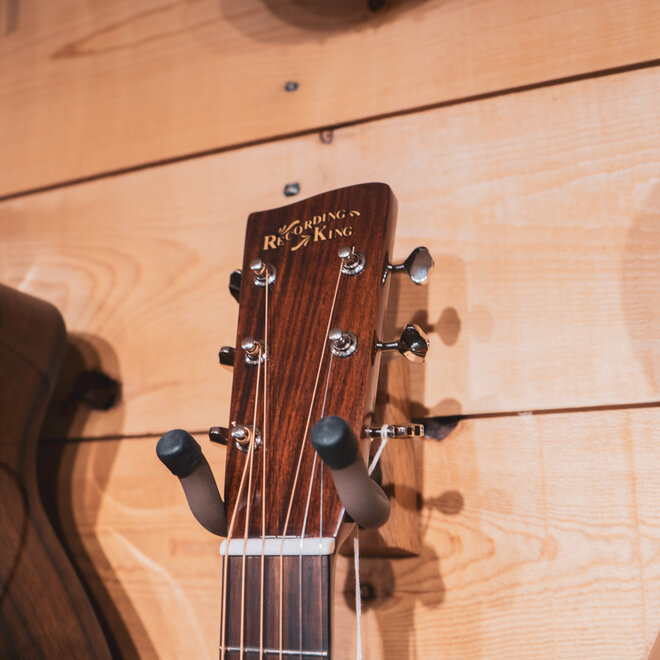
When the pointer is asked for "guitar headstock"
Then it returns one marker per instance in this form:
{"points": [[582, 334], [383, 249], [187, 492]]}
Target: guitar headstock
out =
{"points": [[290, 368]]}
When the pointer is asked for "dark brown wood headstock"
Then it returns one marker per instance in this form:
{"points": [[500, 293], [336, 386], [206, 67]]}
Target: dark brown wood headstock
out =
{"points": [[304, 380]]}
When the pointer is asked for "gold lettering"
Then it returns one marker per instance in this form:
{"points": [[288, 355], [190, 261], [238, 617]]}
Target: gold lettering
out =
{"points": [[321, 233]]}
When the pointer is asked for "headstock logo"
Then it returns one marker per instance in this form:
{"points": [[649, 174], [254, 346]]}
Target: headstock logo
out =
{"points": [[302, 232]]}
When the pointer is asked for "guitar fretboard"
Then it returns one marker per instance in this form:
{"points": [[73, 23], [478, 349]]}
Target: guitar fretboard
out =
{"points": [[296, 597]]}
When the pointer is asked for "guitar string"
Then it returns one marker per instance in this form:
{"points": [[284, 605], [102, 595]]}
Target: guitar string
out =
{"points": [[321, 497], [304, 527], [230, 532], [302, 540], [309, 496], [249, 502], [263, 480], [302, 449], [356, 551], [321, 628]]}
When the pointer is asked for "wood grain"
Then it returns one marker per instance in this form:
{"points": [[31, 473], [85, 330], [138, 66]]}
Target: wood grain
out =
{"points": [[154, 576], [540, 539], [306, 605], [88, 88], [400, 535], [311, 295], [32, 562], [541, 210]]}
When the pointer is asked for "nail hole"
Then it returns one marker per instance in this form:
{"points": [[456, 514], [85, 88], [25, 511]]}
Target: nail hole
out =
{"points": [[290, 86]]}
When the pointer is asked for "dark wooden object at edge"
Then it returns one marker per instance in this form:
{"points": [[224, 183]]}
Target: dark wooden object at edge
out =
{"points": [[44, 611]]}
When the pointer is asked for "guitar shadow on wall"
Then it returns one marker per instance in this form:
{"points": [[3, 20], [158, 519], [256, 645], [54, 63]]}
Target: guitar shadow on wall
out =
{"points": [[394, 588], [303, 20], [63, 459], [387, 590]]}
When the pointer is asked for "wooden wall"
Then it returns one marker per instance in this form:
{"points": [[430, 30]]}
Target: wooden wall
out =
{"points": [[521, 139]]}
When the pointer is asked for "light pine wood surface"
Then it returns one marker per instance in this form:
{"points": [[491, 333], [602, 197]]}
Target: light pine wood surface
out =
{"points": [[541, 210], [89, 87], [538, 534], [540, 538]]}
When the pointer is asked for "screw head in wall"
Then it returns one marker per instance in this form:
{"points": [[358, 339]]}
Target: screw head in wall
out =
{"points": [[291, 189]]}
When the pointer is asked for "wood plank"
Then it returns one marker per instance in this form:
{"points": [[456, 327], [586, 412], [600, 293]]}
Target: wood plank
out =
{"points": [[541, 209], [541, 538], [93, 87], [154, 576]]}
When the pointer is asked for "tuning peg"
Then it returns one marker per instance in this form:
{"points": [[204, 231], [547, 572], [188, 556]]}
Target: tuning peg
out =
{"points": [[226, 356], [219, 435], [418, 265], [413, 343], [235, 284], [401, 432]]}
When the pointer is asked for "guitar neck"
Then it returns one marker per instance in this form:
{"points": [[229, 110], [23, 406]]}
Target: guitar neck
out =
{"points": [[295, 593], [313, 290]]}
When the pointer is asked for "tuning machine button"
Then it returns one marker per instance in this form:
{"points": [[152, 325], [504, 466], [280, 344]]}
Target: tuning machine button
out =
{"points": [[235, 284], [344, 343], [400, 431], [219, 435], [226, 356], [263, 273], [243, 435], [413, 344], [418, 265], [352, 261], [254, 350]]}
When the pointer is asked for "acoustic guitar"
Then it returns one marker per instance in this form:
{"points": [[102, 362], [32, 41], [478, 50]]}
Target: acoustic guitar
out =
{"points": [[312, 292], [44, 610]]}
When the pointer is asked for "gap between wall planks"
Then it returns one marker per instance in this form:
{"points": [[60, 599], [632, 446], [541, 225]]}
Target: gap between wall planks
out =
{"points": [[541, 210], [86, 89], [541, 538]]}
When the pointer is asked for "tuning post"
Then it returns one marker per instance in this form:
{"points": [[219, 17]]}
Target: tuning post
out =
{"points": [[263, 272], [418, 265], [344, 342], [413, 344], [243, 436], [400, 432], [353, 261], [254, 350]]}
